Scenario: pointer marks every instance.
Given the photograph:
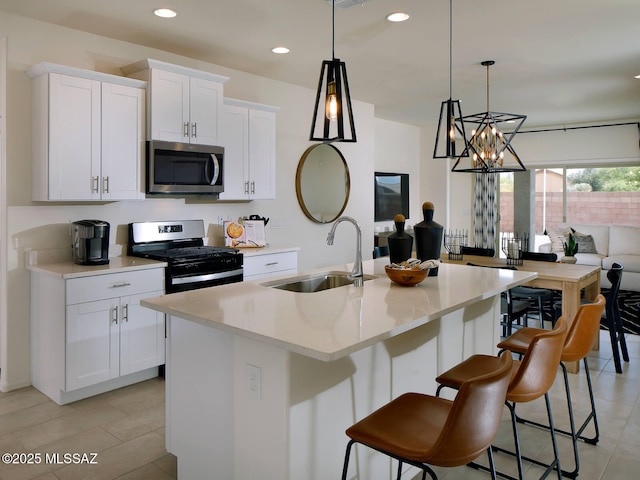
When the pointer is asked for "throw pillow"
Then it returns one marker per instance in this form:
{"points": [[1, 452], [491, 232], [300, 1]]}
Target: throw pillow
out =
{"points": [[558, 237], [585, 243]]}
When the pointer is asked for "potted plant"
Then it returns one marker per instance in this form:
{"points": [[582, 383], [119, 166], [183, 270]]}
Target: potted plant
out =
{"points": [[570, 249]]}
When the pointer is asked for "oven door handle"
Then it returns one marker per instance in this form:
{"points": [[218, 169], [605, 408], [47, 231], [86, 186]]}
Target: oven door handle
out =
{"points": [[206, 278]]}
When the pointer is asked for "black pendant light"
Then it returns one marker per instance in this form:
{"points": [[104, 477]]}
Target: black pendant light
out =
{"points": [[450, 123], [489, 147], [333, 100]]}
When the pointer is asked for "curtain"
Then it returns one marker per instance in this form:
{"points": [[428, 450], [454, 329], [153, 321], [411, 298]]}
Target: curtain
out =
{"points": [[485, 210]]}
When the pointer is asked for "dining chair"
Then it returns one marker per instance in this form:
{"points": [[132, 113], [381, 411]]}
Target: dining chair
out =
{"points": [[582, 334], [612, 317], [481, 252], [424, 430], [381, 251], [511, 310], [540, 296], [531, 378]]}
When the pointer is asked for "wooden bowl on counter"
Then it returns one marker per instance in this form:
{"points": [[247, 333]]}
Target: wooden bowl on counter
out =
{"points": [[407, 277]]}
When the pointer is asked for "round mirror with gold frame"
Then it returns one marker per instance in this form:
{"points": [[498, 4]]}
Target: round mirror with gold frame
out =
{"points": [[322, 183]]}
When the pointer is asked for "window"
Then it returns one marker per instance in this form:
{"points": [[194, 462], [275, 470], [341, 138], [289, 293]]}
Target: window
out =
{"points": [[595, 195], [587, 195]]}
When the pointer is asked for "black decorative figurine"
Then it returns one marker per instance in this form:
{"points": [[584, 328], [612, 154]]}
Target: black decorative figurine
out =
{"points": [[400, 242], [428, 237]]}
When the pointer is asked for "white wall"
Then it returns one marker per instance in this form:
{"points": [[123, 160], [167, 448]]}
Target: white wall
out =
{"points": [[398, 151], [44, 225]]}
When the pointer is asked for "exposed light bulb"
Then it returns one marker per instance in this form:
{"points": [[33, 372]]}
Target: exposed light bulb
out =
{"points": [[331, 109], [452, 129]]}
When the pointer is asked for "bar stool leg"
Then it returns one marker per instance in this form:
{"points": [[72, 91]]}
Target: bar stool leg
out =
{"points": [[556, 460], [346, 460]]}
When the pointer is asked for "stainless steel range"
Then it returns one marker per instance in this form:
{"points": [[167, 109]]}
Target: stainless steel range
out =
{"points": [[191, 264]]}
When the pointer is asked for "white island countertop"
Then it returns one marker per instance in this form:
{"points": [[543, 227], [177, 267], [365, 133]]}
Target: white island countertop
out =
{"points": [[331, 324]]}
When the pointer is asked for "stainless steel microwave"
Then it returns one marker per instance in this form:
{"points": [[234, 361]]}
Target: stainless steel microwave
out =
{"points": [[184, 168]]}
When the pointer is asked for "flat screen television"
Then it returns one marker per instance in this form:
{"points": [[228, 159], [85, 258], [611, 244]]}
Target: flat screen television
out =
{"points": [[391, 191]]}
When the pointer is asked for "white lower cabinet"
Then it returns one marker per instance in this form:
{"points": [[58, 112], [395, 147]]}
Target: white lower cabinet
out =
{"points": [[264, 265], [90, 334], [110, 338]]}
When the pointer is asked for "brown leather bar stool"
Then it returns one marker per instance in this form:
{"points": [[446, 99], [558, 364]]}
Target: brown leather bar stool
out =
{"points": [[531, 378], [424, 430], [580, 340]]}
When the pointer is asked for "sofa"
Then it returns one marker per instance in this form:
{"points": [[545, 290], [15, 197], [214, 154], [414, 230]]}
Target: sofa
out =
{"points": [[602, 245]]}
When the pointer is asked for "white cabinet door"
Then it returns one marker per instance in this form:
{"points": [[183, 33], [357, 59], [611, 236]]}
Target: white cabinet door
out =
{"points": [[122, 142], [142, 335], [184, 108], [249, 137], [169, 106], [205, 105], [74, 138], [262, 154], [87, 136], [235, 130], [92, 353]]}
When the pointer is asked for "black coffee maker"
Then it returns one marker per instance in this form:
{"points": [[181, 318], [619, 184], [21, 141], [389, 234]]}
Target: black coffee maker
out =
{"points": [[90, 242]]}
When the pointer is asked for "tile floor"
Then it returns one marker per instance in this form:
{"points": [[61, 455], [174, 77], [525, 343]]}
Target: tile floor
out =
{"points": [[126, 429]]}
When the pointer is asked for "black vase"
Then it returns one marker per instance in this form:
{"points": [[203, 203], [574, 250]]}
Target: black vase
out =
{"points": [[428, 237], [400, 242]]}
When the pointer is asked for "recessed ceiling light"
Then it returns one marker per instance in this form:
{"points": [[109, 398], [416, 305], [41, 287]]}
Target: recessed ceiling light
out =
{"points": [[165, 12], [637, 76], [280, 50], [398, 17]]}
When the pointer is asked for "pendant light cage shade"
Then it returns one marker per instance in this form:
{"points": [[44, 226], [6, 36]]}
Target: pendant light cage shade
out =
{"points": [[333, 113], [489, 147], [450, 136]]}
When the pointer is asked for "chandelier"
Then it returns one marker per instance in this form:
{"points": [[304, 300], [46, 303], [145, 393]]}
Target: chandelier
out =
{"points": [[489, 146]]}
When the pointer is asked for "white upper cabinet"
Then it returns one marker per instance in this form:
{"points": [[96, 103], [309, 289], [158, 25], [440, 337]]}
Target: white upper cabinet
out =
{"points": [[184, 105], [249, 141], [88, 135]]}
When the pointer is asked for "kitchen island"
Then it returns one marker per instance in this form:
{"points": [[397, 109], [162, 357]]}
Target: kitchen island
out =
{"points": [[262, 382]]}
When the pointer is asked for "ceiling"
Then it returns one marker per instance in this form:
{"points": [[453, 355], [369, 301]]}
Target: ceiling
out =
{"points": [[559, 62]]}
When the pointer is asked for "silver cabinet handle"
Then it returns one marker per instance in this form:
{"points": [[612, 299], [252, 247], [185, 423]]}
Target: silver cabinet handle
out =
{"points": [[253, 187], [114, 318], [119, 285], [186, 129], [125, 312], [270, 264], [105, 184], [95, 184], [246, 187], [194, 129]]}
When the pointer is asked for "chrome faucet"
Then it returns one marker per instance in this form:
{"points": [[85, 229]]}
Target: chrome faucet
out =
{"points": [[356, 274]]}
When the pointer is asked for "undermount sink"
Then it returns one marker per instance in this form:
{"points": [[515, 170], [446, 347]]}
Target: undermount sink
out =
{"points": [[314, 283]]}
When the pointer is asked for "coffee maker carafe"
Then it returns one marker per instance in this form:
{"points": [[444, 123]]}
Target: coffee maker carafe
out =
{"points": [[90, 242]]}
